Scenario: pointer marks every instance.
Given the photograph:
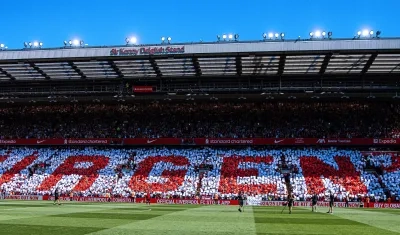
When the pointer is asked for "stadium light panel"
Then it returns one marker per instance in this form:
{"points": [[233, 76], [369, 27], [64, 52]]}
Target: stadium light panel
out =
{"points": [[131, 40]]}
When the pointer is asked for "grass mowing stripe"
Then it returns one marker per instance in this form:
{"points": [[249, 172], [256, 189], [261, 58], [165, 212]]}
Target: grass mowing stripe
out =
{"points": [[72, 222], [201, 220], [17, 229], [129, 217], [303, 221], [375, 219]]}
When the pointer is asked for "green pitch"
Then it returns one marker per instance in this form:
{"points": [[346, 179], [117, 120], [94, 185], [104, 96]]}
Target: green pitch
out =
{"points": [[17, 217]]}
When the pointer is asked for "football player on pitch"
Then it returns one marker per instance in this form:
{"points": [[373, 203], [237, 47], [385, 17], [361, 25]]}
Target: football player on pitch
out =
{"points": [[241, 202], [290, 203], [314, 200], [56, 197], [331, 200]]}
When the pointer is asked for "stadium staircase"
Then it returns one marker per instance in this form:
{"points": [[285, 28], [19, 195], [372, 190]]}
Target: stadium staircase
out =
{"points": [[378, 174], [286, 172], [288, 184], [199, 184]]}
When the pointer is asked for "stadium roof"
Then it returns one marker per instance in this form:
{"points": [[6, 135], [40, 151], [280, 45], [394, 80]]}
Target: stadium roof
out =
{"points": [[219, 59]]}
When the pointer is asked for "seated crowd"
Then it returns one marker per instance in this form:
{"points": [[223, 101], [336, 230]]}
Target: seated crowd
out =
{"points": [[176, 172], [191, 120]]}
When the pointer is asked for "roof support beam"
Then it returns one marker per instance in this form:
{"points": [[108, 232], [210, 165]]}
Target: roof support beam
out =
{"points": [[39, 70], [7, 74], [281, 66], [369, 63], [155, 67], [77, 70], [325, 63], [239, 66], [258, 65], [116, 69], [196, 65]]}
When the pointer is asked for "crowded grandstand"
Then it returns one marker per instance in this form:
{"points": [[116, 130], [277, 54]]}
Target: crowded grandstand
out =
{"points": [[314, 117]]}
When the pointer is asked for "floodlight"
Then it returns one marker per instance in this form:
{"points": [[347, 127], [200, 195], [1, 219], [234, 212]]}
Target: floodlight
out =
{"points": [[163, 39], [276, 35], [65, 43], [270, 35], [317, 34], [25, 44], [264, 35], [169, 39], [224, 36], [323, 33], [371, 33], [230, 36], [329, 34], [127, 40], [282, 35], [365, 32], [378, 33], [81, 42], [30, 44], [311, 34], [70, 42], [133, 40], [218, 38], [35, 44], [40, 44], [236, 36], [75, 42], [359, 33], [2, 45]]}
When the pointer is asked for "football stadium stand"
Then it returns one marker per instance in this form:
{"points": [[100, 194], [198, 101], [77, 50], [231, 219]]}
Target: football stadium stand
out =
{"points": [[210, 120], [168, 119], [175, 172]]}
